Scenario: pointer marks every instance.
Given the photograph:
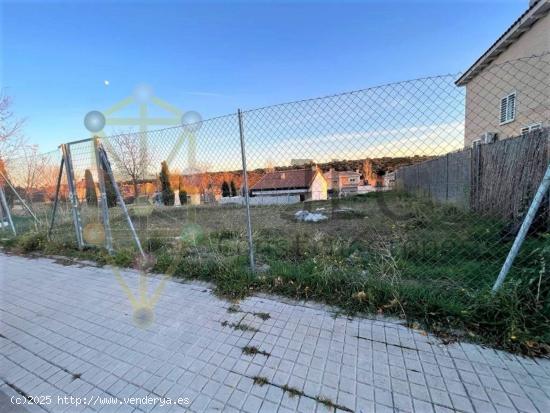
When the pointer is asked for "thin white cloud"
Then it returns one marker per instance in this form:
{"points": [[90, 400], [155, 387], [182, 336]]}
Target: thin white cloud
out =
{"points": [[203, 93], [442, 131]]}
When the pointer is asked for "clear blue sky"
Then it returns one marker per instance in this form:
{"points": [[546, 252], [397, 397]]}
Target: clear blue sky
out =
{"points": [[214, 57]]}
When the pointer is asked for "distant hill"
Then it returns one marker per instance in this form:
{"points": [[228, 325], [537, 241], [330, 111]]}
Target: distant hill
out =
{"points": [[378, 166], [371, 170]]}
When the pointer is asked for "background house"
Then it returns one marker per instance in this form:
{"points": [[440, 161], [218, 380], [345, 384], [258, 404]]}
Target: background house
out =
{"points": [[389, 180], [342, 182], [302, 184], [508, 100]]}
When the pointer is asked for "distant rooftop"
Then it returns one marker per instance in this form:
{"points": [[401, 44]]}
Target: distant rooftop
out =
{"points": [[290, 179]]}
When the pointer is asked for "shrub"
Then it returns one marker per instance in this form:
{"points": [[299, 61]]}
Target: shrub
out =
{"points": [[124, 258], [31, 242], [155, 243], [110, 191], [91, 196], [167, 194], [225, 189], [183, 196]]}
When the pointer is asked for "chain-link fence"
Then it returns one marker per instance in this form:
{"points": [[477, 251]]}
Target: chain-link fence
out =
{"points": [[424, 181], [29, 184]]}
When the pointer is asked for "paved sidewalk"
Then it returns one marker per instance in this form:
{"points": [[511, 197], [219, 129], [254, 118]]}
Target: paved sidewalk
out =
{"points": [[69, 331]]}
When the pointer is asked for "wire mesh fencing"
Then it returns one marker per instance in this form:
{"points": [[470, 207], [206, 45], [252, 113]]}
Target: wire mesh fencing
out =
{"points": [[423, 182], [29, 184]]}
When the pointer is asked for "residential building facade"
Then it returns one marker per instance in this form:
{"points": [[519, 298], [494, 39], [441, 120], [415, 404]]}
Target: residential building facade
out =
{"points": [[342, 183], [508, 87], [308, 184]]}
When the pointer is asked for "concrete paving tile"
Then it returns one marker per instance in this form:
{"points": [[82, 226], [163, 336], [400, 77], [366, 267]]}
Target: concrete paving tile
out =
{"points": [[88, 346]]}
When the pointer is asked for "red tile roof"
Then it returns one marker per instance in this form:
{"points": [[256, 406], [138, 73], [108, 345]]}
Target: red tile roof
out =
{"points": [[290, 179]]}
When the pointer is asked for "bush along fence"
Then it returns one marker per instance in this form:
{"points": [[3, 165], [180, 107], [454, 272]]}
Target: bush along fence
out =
{"points": [[404, 198]]}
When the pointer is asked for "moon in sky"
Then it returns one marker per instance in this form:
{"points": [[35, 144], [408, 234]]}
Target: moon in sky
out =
{"points": [[106, 82]]}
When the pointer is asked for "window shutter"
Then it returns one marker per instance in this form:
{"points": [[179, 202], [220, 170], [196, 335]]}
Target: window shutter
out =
{"points": [[511, 107], [503, 107], [508, 108]]}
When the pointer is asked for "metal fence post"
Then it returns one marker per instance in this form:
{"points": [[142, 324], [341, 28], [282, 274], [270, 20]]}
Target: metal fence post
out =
{"points": [[475, 177], [107, 167], [19, 197], [65, 149], [520, 237], [103, 198], [246, 195], [447, 177], [417, 183], [56, 199], [548, 160], [5, 207], [1, 213]]}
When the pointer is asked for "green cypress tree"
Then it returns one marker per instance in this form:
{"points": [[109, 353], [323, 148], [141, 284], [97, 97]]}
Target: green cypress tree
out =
{"points": [[183, 196], [109, 191], [167, 193], [225, 189], [91, 195], [233, 188]]}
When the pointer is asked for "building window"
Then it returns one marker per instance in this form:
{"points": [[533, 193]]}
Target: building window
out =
{"points": [[508, 108], [530, 128]]}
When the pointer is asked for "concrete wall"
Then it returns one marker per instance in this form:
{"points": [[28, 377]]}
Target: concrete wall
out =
{"points": [[529, 78], [445, 179], [262, 200]]}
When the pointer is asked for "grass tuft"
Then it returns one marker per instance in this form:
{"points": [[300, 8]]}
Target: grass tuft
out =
{"points": [[292, 391], [233, 308], [263, 316], [253, 350], [239, 326], [331, 405], [260, 381]]}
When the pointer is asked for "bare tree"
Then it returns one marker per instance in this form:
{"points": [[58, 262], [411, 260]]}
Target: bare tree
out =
{"points": [[49, 180], [130, 157], [32, 168], [12, 140]]}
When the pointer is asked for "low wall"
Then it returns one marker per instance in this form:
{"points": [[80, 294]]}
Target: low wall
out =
{"points": [[444, 179], [262, 200]]}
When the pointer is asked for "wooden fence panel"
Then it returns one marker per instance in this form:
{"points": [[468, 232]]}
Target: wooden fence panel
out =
{"points": [[509, 173], [444, 179], [459, 178], [499, 179]]}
